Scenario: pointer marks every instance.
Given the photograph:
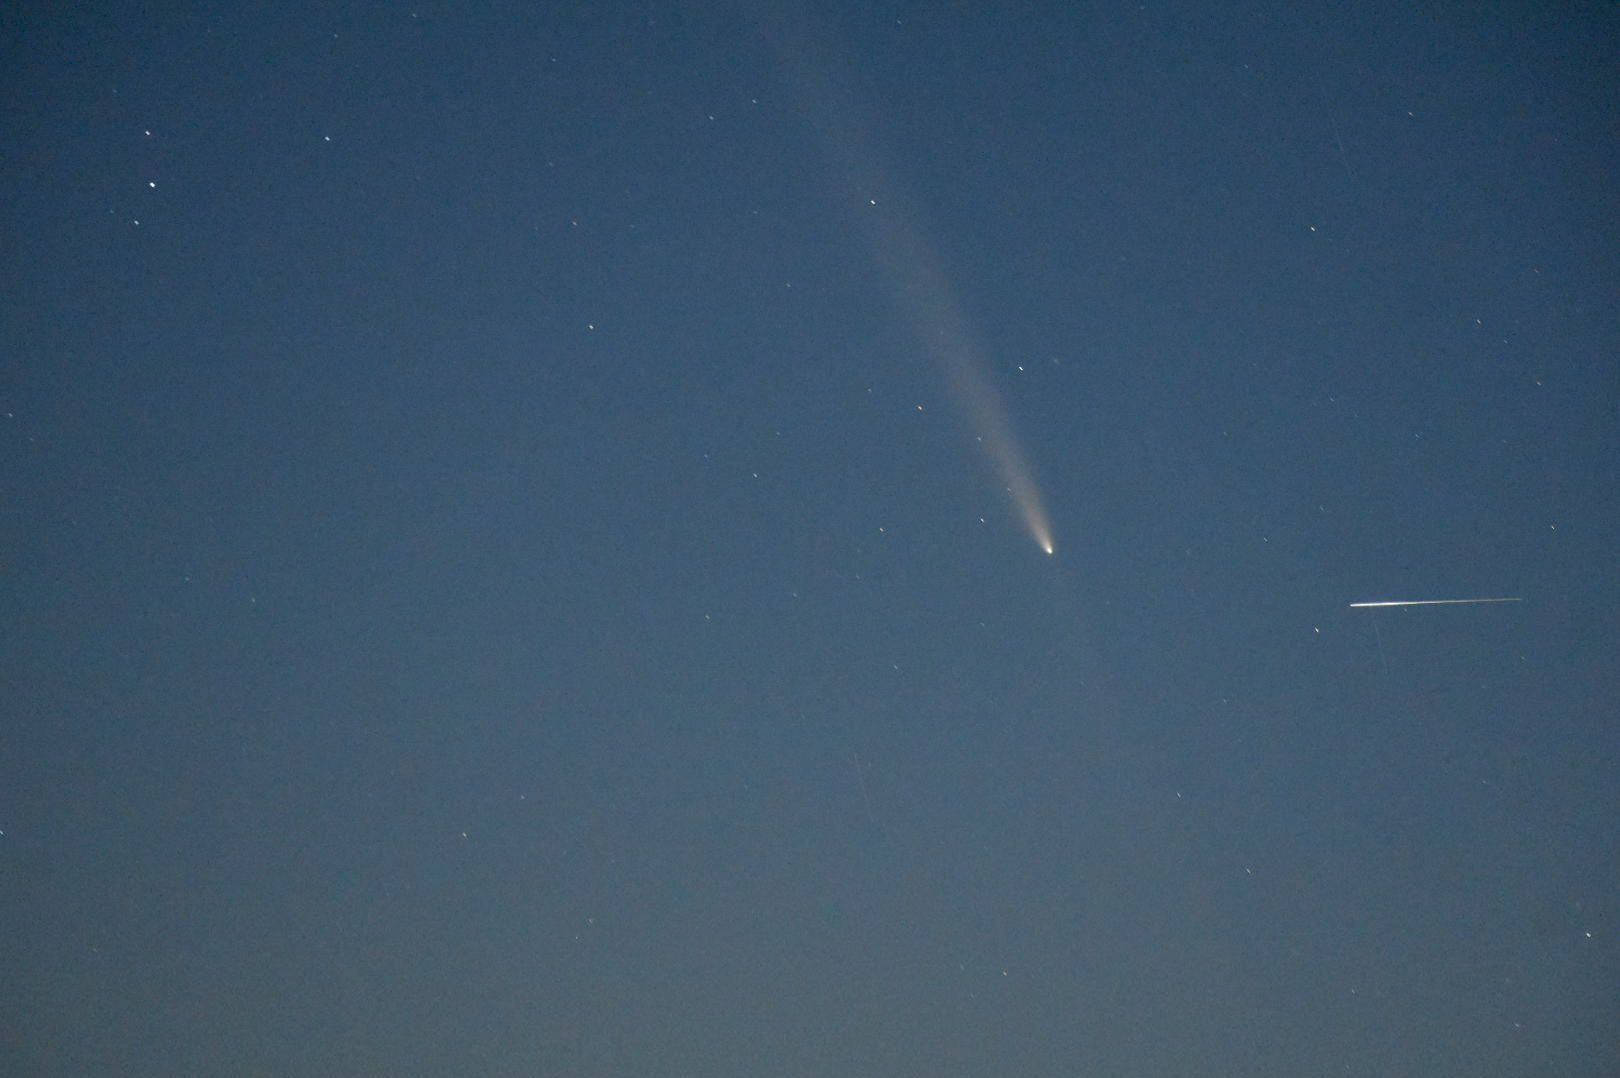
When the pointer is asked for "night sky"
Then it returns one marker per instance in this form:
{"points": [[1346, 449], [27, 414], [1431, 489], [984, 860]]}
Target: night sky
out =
{"points": [[521, 540]]}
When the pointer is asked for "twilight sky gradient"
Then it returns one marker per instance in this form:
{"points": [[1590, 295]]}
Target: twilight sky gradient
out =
{"points": [[499, 574]]}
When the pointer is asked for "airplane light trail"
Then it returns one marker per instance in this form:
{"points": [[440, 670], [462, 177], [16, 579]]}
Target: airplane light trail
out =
{"points": [[1432, 602]]}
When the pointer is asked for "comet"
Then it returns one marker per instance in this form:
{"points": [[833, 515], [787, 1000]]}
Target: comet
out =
{"points": [[917, 276], [925, 297], [1433, 602]]}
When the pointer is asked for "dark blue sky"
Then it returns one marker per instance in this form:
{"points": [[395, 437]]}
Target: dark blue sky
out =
{"points": [[499, 574]]}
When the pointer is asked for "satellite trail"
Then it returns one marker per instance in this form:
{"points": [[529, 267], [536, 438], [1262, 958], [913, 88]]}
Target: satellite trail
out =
{"points": [[1431, 602]]}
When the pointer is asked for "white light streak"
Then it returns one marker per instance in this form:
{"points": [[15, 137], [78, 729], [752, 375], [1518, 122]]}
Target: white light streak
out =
{"points": [[1432, 602]]}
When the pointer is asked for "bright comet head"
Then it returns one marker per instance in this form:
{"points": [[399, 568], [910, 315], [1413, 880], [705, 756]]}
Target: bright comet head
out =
{"points": [[1038, 528]]}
